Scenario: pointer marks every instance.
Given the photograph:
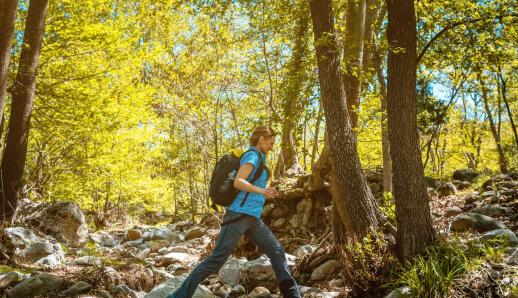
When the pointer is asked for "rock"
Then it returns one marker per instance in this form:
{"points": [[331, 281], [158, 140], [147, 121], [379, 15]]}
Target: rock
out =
{"points": [[223, 291], [104, 239], [279, 211], [487, 184], [304, 250], [261, 268], [431, 182], [193, 233], [79, 287], [325, 270], [432, 194], [472, 198], [122, 289], [41, 284], [230, 272], [133, 235], [176, 257], [19, 236], [267, 209], [492, 210], [400, 292], [465, 175], [306, 290], [158, 234], [260, 292], [88, 261], [447, 189], [279, 222], [474, 221], [37, 250], [156, 245], [513, 258], [8, 279], [237, 290], [486, 194], [63, 220], [506, 234], [461, 184], [171, 285], [452, 211]]}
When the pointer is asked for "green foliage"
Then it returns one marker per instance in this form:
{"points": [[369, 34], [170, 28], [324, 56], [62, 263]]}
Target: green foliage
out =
{"points": [[90, 249]]}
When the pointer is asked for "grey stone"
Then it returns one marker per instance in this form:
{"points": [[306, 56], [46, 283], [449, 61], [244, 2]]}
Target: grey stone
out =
{"points": [[304, 250], [79, 287], [230, 272], [506, 234], [260, 292], [20, 236], [172, 284], [41, 284], [104, 239], [400, 292], [223, 290], [452, 211], [492, 210], [447, 189], [465, 175], [64, 221], [194, 232], [8, 279], [88, 261], [473, 221], [325, 270]]}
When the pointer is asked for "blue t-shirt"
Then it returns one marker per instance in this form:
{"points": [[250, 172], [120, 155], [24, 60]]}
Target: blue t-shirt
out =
{"points": [[254, 202]]}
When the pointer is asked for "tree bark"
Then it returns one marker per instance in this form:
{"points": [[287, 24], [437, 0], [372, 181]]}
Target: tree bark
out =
{"points": [[503, 84], [353, 55], [13, 161], [288, 159], [501, 154], [355, 203], [7, 20], [414, 223]]}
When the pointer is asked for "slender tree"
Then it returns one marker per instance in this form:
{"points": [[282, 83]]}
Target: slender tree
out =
{"points": [[7, 20], [355, 203], [13, 161], [496, 136], [288, 159], [414, 223]]}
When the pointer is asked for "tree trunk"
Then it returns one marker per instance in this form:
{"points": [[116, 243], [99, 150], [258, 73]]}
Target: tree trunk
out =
{"points": [[353, 55], [355, 204], [13, 161], [7, 19], [503, 84], [414, 222], [501, 154], [288, 163]]}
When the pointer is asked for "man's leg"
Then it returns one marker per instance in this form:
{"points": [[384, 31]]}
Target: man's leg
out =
{"points": [[228, 237], [261, 236]]}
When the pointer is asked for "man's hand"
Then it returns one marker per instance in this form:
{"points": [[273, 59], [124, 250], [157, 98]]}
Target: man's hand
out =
{"points": [[270, 193]]}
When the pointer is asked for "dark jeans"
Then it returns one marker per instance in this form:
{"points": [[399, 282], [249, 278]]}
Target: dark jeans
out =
{"points": [[228, 237]]}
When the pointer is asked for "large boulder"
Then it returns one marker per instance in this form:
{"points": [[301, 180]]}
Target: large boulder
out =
{"points": [[325, 270], [473, 221], [230, 272], [63, 220], [30, 248], [41, 284], [464, 175], [492, 210], [504, 234], [447, 189], [261, 268]]}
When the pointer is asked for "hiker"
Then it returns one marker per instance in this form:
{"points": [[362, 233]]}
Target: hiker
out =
{"points": [[243, 217]]}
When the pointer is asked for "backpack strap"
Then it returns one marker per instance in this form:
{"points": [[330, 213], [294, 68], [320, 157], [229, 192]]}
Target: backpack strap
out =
{"points": [[257, 174]]}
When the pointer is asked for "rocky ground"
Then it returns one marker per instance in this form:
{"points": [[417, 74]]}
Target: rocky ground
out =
{"points": [[49, 251]]}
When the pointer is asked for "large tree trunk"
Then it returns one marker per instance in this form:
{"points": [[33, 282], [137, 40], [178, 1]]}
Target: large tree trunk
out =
{"points": [[501, 154], [355, 203], [414, 222], [7, 20], [13, 161], [353, 55], [288, 159]]}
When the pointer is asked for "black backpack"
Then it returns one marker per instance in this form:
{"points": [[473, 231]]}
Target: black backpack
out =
{"points": [[221, 189]]}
